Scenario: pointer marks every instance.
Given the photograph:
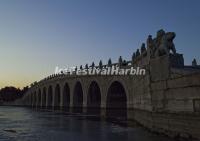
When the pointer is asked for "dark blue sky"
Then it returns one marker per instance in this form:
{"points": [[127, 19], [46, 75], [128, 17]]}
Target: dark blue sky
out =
{"points": [[36, 36]]}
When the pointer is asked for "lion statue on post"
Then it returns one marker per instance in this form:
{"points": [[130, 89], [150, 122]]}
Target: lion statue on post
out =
{"points": [[165, 44], [161, 45]]}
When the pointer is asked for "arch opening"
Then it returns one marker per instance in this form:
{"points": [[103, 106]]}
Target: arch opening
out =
{"points": [[50, 97], [30, 99], [39, 98], [116, 103], [57, 97], [34, 99], [94, 99], [78, 98], [44, 98], [66, 97]]}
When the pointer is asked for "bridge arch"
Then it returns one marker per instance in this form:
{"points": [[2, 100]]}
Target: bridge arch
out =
{"points": [[34, 99], [78, 97], [116, 101], [66, 97], [94, 98], [44, 95], [30, 99], [50, 97], [57, 98], [39, 95]]}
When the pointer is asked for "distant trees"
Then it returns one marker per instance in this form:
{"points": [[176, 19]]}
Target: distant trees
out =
{"points": [[8, 94]]}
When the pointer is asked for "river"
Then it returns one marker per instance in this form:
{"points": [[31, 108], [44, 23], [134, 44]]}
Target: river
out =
{"points": [[25, 124]]}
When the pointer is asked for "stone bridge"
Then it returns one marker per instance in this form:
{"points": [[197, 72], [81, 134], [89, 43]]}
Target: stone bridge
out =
{"points": [[166, 99]]}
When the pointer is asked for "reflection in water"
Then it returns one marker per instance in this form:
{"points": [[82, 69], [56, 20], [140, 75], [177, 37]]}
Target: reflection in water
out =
{"points": [[23, 124]]}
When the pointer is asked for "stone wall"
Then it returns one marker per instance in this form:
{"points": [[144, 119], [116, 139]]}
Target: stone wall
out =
{"points": [[171, 124], [175, 100]]}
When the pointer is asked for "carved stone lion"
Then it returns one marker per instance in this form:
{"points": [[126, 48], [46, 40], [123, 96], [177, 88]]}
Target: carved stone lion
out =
{"points": [[162, 44], [166, 45]]}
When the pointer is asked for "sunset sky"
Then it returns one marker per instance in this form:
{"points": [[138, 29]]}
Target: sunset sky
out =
{"points": [[38, 35]]}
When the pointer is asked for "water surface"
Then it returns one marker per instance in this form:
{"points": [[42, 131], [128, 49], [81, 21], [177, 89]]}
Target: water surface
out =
{"points": [[24, 124]]}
